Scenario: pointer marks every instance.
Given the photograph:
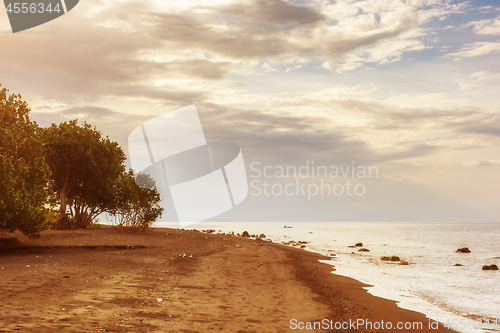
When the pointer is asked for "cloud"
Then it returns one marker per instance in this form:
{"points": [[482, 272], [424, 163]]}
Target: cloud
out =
{"points": [[89, 111], [475, 50], [329, 32], [276, 12], [486, 27], [279, 138], [486, 124], [478, 78], [484, 164], [176, 53]]}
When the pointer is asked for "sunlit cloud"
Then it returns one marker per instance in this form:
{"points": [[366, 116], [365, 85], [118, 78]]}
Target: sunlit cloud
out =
{"points": [[486, 27], [475, 50]]}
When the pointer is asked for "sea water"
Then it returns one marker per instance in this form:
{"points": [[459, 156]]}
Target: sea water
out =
{"points": [[430, 283]]}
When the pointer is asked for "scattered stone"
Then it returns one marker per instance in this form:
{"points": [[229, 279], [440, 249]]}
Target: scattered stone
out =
{"points": [[403, 262], [363, 250], [245, 234], [391, 258], [358, 244], [294, 243], [458, 265], [464, 250], [302, 246], [262, 236], [490, 268]]}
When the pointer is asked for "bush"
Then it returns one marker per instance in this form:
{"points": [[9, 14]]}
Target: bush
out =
{"points": [[23, 170], [137, 207]]}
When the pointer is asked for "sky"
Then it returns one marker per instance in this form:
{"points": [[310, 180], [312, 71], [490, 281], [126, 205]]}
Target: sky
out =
{"points": [[409, 87]]}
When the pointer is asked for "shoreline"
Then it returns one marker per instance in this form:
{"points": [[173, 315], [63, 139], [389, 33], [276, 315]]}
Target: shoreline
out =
{"points": [[389, 282], [174, 280]]}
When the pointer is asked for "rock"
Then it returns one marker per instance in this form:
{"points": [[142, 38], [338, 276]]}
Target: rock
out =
{"points": [[358, 244], [363, 250], [262, 236], [392, 258], [404, 263], [490, 268], [302, 246], [245, 234], [463, 250], [458, 265]]}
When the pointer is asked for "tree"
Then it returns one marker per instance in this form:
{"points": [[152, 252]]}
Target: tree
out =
{"points": [[23, 170], [137, 201], [85, 169]]}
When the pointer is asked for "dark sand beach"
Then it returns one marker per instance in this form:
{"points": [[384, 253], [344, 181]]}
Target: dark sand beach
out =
{"points": [[169, 280]]}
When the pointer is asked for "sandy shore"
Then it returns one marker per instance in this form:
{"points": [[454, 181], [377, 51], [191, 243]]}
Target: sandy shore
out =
{"points": [[170, 280]]}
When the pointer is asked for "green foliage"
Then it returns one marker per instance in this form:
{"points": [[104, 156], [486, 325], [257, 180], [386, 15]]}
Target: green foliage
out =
{"points": [[23, 170], [85, 170], [69, 165], [137, 201]]}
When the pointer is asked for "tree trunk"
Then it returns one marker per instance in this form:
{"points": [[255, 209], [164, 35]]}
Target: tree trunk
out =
{"points": [[62, 208]]}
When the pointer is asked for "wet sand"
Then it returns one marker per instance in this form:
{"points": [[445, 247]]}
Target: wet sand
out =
{"points": [[170, 280]]}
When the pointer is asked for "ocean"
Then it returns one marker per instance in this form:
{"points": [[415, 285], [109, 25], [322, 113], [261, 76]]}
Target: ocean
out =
{"points": [[462, 296]]}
